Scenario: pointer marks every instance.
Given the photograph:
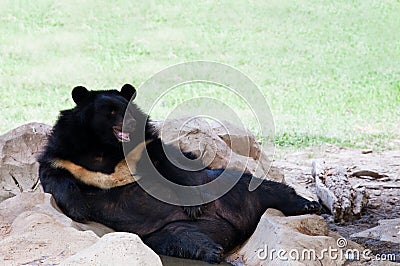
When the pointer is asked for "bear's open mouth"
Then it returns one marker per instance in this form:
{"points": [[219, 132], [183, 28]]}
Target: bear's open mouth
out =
{"points": [[120, 135]]}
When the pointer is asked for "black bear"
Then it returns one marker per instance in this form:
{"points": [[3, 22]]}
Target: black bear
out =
{"points": [[88, 139]]}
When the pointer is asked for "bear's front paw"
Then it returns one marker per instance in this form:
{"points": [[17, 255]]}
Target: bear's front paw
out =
{"points": [[311, 207]]}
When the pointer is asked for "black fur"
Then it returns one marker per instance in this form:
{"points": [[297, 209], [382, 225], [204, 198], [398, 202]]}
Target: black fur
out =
{"points": [[84, 135]]}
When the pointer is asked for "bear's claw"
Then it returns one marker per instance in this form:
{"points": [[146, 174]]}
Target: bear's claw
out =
{"points": [[311, 207]]}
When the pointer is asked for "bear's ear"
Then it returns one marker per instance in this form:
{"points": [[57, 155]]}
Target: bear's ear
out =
{"points": [[128, 92], [79, 94]]}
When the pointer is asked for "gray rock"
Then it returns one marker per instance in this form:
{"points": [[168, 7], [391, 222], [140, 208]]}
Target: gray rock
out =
{"points": [[19, 149], [292, 236], [34, 232], [387, 230], [217, 148], [116, 249]]}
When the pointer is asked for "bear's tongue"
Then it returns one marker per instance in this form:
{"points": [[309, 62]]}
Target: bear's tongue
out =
{"points": [[122, 136]]}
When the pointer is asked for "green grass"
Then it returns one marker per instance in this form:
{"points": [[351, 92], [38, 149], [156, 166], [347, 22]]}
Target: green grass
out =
{"points": [[329, 69]]}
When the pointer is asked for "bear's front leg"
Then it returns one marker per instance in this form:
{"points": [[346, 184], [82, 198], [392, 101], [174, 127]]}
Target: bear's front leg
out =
{"points": [[97, 179], [284, 198], [68, 196]]}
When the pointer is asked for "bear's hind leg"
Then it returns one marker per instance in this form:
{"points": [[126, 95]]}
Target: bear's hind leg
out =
{"points": [[183, 240]]}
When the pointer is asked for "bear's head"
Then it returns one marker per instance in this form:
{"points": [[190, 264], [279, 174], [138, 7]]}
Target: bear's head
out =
{"points": [[101, 113]]}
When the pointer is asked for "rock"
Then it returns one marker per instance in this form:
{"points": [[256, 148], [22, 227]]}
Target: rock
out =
{"points": [[240, 141], [301, 190], [18, 154], [387, 230], [33, 231], [218, 149], [290, 237], [99, 229], [115, 249]]}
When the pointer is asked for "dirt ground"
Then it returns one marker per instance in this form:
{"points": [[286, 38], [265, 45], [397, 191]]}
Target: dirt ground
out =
{"points": [[384, 202]]}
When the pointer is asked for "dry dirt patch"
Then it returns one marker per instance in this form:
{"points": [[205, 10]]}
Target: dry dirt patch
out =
{"points": [[384, 202]]}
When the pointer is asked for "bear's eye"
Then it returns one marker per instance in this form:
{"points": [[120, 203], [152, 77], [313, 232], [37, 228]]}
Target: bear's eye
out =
{"points": [[113, 112]]}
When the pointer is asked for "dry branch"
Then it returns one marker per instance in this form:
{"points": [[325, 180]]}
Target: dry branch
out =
{"points": [[337, 194]]}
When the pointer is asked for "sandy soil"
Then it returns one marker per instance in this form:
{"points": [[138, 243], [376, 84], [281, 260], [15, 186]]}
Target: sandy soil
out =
{"points": [[384, 202]]}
